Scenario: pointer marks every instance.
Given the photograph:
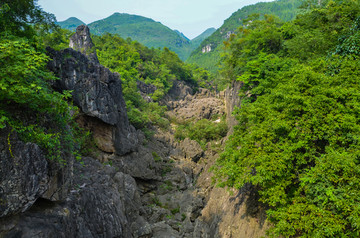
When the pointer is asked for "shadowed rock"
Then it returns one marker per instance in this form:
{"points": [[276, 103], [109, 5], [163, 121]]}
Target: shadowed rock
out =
{"points": [[26, 175]]}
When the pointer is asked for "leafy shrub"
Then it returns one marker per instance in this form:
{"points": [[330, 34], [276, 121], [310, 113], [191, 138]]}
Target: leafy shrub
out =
{"points": [[202, 131], [25, 88]]}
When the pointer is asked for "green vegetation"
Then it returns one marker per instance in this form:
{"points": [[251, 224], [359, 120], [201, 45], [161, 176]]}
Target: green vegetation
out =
{"points": [[156, 157], [159, 68], [298, 135], [28, 105], [175, 210], [203, 131], [284, 9], [200, 38]]}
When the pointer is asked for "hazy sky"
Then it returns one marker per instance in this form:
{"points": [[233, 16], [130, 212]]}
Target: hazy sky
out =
{"points": [[191, 17]]}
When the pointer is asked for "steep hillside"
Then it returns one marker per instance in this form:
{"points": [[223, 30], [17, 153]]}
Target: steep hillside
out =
{"points": [[197, 40], [145, 30], [70, 23], [207, 55]]}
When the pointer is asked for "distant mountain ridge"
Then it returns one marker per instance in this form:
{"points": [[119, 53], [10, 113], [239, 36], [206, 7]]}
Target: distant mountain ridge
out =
{"points": [[207, 55], [142, 29], [70, 23]]}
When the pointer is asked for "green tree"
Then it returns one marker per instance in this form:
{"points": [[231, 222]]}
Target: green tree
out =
{"points": [[17, 17], [28, 104]]}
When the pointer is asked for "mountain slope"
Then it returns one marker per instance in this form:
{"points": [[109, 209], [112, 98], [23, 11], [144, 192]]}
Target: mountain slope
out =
{"points": [[144, 30], [70, 23], [207, 55], [195, 43]]}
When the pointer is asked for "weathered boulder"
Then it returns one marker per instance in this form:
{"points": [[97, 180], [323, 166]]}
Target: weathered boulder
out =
{"points": [[192, 149], [139, 164], [98, 93], [26, 175], [81, 41]]}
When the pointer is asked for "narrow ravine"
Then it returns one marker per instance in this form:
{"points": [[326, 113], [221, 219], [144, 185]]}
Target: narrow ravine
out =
{"points": [[129, 184]]}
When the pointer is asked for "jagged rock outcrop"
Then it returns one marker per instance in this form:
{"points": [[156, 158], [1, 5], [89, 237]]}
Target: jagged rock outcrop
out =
{"points": [[43, 198], [26, 175], [81, 41], [98, 93]]}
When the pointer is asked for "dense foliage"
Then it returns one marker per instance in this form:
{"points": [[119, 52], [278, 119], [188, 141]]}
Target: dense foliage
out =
{"points": [[28, 105], [284, 9], [202, 131], [297, 139], [154, 67]]}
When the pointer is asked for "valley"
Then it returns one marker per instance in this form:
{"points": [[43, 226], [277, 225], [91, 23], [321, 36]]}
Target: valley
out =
{"points": [[126, 128]]}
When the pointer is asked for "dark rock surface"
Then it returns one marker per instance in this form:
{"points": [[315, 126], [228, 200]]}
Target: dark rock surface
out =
{"points": [[101, 203], [26, 175], [179, 91]]}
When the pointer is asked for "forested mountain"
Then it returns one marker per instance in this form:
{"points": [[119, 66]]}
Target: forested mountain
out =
{"points": [[70, 23], [145, 30], [207, 55]]}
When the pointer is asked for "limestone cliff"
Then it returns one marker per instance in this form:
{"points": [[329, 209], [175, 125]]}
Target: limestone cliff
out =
{"points": [[97, 92], [44, 198]]}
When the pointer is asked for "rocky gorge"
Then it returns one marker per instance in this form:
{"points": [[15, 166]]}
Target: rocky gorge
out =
{"points": [[130, 186]]}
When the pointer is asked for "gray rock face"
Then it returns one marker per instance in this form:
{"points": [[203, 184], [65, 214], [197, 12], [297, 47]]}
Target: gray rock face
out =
{"points": [[102, 203], [97, 92], [192, 149], [23, 176], [26, 175], [81, 41], [232, 100]]}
